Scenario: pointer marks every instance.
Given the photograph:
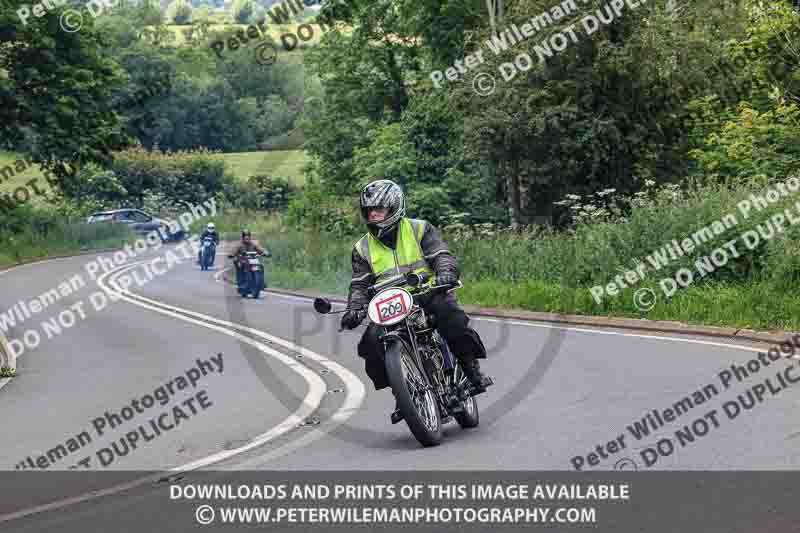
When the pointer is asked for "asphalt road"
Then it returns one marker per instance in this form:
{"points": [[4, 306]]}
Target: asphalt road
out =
{"points": [[292, 395]]}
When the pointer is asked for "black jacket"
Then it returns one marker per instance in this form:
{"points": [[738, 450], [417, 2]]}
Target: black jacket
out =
{"points": [[436, 251], [213, 234]]}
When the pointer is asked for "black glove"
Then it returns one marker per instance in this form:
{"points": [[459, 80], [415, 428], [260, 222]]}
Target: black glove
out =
{"points": [[446, 278], [352, 319]]}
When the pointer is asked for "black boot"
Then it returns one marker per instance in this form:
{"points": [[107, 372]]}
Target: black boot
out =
{"points": [[397, 416], [477, 378]]}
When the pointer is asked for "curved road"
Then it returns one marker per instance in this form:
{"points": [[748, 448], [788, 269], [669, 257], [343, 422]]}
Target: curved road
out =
{"points": [[292, 394]]}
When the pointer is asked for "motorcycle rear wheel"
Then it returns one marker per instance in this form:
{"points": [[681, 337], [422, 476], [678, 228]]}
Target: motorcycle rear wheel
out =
{"points": [[469, 417], [420, 409]]}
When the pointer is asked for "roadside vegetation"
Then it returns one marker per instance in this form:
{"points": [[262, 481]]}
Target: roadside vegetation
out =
{"points": [[28, 234], [552, 271]]}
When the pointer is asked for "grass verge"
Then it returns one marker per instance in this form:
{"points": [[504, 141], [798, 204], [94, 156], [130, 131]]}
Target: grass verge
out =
{"points": [[502, 279], [60, 238]]}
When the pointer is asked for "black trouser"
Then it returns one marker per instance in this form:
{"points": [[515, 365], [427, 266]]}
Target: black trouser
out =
{"points": [[451, 323], [241, 275]]}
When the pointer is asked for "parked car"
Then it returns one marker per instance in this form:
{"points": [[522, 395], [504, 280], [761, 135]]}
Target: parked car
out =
{"points": [[140, 222]]}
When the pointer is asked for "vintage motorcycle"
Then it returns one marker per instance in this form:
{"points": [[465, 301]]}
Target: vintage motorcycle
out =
{"points": [[427, 380], [207, 251]]}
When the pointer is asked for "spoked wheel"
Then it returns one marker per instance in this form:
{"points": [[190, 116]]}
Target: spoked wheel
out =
{"points": [[468, 418], [415, 399]]}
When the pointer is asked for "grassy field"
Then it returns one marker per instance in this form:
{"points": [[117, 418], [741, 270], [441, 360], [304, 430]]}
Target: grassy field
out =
{"points": [[284, 163]]}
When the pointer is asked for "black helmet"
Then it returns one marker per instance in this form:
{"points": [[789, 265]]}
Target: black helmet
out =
{"points": [[383, 194]]}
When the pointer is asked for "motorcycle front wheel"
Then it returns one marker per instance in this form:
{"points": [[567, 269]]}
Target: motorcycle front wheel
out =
{"points": [[256, 284], [415, 399]]}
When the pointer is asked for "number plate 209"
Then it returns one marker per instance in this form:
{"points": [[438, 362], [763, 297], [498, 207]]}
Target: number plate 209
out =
{"points": [[390, 306]]}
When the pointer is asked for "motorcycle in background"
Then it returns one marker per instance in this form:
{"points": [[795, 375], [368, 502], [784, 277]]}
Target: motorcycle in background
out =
{"points": [[251, 274], [208, 250]]}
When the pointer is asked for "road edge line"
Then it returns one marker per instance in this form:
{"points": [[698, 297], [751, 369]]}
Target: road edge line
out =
{"points": [[654, 326]]}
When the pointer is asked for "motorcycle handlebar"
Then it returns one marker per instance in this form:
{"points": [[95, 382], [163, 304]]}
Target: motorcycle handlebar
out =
{"points": [[415, 280]]}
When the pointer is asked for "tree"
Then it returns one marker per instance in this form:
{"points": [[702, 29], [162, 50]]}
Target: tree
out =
{"points": [[180, 12], [56, 90], [242, 11]]}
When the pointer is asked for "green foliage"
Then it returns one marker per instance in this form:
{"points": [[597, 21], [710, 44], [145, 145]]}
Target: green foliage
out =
{"points": [[101, 185], [179, 12], [71, 121], [202, 14], [751, 143], [184, 177], [320, 212], [242, 11], [272, 192], [30, 233]]}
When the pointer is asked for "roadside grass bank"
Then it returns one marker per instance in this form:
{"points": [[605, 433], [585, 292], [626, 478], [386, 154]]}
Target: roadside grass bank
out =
{"points": [[553, 271], [39, 241]]}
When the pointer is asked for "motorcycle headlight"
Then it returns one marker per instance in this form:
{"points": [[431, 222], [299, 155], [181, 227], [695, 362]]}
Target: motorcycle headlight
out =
{"points": [[418, 320]]}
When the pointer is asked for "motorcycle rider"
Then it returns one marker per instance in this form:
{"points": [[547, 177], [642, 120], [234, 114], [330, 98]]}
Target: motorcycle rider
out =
{"points": [[247, 244], [210, 231], [397, 244]]}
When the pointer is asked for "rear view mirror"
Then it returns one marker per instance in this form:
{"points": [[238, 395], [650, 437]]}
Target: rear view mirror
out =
{"points": [[322, 306]]}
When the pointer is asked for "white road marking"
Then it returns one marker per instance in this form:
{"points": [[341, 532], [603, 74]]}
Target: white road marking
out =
{"points": [[352, 402], [620, 333], [317, 389]]}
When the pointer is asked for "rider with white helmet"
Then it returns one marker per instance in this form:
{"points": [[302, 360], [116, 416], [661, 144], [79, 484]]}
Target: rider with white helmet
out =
{"points": [[210, 231]]}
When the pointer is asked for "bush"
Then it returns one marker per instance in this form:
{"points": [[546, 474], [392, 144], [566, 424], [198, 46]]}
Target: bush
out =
{"points": [[242, 11], [320, 212], [32, 233], [179, 12], [184, 178], [750, 143], [272, 193]]}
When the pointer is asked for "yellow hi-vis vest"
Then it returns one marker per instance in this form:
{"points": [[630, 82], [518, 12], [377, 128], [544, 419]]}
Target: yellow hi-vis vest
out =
{"points": [[406, 257]]}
